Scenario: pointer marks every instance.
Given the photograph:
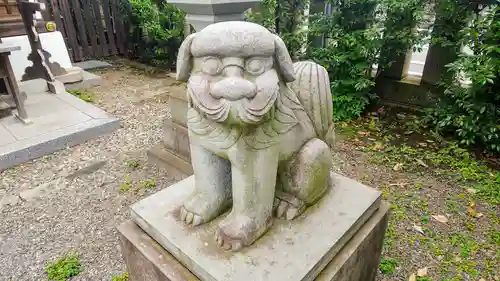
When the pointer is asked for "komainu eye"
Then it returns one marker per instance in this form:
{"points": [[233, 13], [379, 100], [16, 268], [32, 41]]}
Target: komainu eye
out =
{"points": [[257, 66], [211, 66]]}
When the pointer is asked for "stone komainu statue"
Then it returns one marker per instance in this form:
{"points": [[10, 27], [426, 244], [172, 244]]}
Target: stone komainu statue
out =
{"points": [[258, 145]]}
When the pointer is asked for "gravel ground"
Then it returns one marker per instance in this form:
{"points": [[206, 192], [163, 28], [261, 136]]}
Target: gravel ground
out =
{"points": [[71, 200]]}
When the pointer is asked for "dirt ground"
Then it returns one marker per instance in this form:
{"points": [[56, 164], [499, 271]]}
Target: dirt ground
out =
{"points": [[79, 195]]}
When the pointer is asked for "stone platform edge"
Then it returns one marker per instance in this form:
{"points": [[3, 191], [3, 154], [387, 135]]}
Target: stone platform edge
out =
{"points": [[29, 149], [147, 260], [161, 156]]}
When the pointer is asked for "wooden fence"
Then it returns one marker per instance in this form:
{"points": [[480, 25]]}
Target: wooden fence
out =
{"points": [[92, 29]]}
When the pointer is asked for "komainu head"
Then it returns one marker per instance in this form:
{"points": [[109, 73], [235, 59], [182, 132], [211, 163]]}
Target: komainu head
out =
{"points": [[234, 71]]}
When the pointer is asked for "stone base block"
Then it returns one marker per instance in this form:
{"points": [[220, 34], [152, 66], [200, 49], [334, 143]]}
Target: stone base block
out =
{"points": [[72, 75], [176, 139], [164, 157], [56, 87], [297, 250], [358, 260], [175, 150], [89, 80], [178, 105]]}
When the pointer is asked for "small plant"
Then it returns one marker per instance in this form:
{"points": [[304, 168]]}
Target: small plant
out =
{"points": [[123, 277], [149, 183], [388, 266], [83, 95], [495, 237], [133, 164], [424, 219], [127, 184], [64, 268]]}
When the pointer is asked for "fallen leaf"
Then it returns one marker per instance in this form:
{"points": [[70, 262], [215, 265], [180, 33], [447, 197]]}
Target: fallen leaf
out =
{"points": [[471, 190], [418, 228], [422, 272], [421, 163], [471, 210], [364, 133], [400, 184], [440, 218], [479, 215], [413, 277], [398, 166], [482, 279], [378, 146]]}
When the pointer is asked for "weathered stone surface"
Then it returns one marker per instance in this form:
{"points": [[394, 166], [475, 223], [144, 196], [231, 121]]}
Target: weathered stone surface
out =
{"points": [[255, 143], [292, 251], [56, 87], [176, 139], [200, 14], [166, 158], [178, 109], [146, 260], [49, 132], [92, 64], [357, 261], [72, 75]]}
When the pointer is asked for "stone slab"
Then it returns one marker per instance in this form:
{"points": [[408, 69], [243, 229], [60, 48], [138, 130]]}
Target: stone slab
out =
{"points": [[59, 121], [178, 109], [176, 139], [92, 64], [163, 157], [300, 249], [5, 136], [89, 80], [358, 260], [73, 75]]}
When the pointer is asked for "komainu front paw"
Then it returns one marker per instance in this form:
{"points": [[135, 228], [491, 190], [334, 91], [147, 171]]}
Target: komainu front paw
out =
{"points": [[287, 206], [202, 208], [238, 231]]}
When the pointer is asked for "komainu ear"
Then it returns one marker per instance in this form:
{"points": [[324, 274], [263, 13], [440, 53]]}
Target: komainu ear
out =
{"points": [[284, 60], [184, 59]]}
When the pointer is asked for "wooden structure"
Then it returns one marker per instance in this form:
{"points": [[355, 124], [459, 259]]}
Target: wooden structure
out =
{"points": [[11, 23], [8, 79], [91, 28]]}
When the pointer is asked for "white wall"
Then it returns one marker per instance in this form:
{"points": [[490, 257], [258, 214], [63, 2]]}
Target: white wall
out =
{"points": [[52, 42]]}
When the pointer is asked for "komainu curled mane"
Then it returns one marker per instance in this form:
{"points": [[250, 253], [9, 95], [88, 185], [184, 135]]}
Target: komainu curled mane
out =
{"points": [[260, 129]]}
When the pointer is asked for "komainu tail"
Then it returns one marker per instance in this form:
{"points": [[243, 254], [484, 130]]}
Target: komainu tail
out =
{"points": [[312, 87]]}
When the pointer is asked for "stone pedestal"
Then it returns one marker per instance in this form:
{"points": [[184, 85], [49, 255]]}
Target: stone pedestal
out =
{"points": [[174, 150], [338, 239], [200, 14]]}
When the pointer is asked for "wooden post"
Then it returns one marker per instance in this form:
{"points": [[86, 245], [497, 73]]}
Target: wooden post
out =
{"points": [[40, 67]]}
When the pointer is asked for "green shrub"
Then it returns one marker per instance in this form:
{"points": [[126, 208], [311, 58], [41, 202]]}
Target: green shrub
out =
{"points": [[157, 30], [388, 266], [123, 277], [351, 50], [471, 113], [64, 268]]}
